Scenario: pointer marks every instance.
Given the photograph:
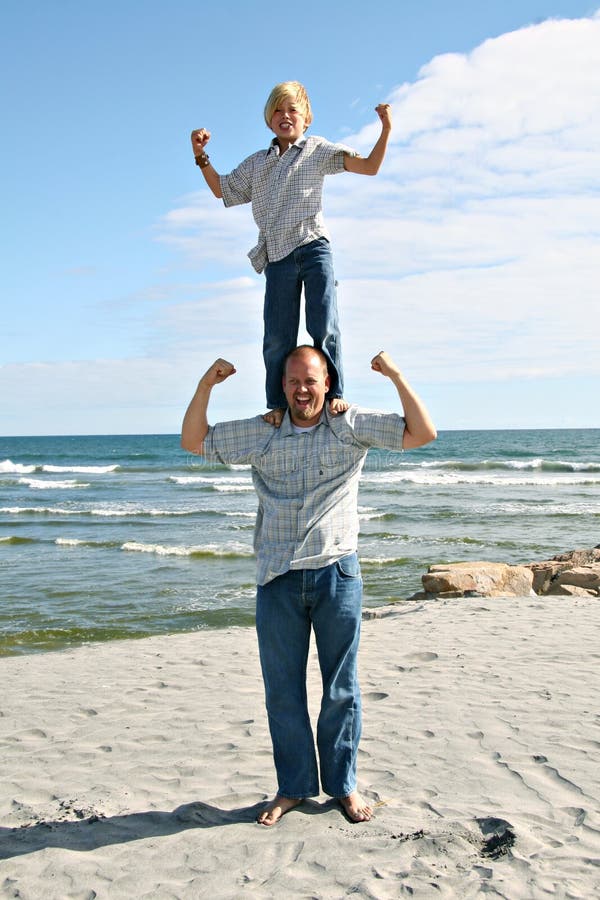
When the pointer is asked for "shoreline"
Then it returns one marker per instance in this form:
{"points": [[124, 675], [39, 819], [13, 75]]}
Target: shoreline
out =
{"points": [[137, 767]]}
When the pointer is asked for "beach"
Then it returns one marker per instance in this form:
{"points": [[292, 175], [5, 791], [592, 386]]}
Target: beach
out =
{"points": [[135, 768]]}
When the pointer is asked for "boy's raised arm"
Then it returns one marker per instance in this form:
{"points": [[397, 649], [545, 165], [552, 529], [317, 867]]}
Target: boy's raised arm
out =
{"points": [[195, 422], [370, 165], [200, 138]]}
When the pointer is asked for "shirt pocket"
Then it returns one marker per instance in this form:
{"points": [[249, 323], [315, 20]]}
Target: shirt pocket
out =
{"points": [[337, 461], [278, 465]]}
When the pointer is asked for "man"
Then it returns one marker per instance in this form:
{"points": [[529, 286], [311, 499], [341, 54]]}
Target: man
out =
{"points": [[306, 475]]}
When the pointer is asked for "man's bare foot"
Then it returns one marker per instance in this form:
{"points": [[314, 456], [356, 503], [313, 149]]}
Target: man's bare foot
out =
{"points": [[274, 417], [338, 405], [357, 809], [277, 808]]}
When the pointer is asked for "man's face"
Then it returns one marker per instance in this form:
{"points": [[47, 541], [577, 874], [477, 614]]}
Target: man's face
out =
{"points": [[305, 384]]}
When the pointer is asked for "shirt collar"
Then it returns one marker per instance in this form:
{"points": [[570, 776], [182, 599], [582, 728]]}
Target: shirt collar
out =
{"points": [[274, 146], [286, 428]]}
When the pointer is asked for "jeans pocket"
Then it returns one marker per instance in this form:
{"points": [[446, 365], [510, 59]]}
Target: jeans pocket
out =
{"points": [[349, 566]]}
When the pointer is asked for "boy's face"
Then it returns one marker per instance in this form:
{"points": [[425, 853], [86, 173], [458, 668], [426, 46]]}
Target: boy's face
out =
{"points": [[288, 122]]}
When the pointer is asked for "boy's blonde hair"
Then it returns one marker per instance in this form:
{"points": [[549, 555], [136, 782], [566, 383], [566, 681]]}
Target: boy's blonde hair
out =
{"points": [[288, 90]]}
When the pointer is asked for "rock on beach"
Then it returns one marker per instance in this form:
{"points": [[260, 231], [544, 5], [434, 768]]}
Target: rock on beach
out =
{"points": [[571, 574]]}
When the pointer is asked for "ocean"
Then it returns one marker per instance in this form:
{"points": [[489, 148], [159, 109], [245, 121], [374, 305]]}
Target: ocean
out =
{"points": [[112, 537]]}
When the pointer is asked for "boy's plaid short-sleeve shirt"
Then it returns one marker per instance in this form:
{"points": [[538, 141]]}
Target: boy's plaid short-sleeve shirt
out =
{"points": [[286, 194], [307, 483]]}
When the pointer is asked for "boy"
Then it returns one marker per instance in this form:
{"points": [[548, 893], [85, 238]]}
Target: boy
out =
{"points": [[284, 183]]}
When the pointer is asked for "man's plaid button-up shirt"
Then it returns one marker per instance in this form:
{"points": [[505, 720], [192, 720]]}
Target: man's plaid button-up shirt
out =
{"points": [[307, 482]]}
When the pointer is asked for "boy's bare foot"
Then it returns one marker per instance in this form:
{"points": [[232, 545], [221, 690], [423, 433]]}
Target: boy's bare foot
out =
{"points": [[357, 809], [338, 405], [277, 808], [274, 417]]}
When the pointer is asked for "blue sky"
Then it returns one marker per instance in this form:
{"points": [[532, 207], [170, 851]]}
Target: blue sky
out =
{"points": [[472, 257]]}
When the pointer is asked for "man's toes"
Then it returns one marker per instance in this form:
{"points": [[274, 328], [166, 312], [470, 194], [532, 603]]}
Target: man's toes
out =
{"points": [[355, 808], [276, 809]]}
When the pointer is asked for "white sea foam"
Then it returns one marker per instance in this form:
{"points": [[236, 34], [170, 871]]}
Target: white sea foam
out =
{"points": [[37, 484], [38, 510], [506, 508], [119, 512], [484, 465], [203, 479], [581, 467], [380, 560], [80, 470], [524, 463], [10, 468], [497, 479], [69, 542], [221, 483], [104, 512], [232, 548]]}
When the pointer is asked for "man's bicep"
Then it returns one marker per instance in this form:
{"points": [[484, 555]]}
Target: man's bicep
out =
{"points": [[239, 442], [382, 430]]}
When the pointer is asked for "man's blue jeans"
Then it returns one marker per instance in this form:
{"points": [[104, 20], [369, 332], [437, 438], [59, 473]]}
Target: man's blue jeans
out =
{"points": [[310, 265], [328, 599]]}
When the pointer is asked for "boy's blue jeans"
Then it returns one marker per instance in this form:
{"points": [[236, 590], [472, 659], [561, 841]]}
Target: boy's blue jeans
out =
{"points": [[328, 599], [310, 265]]}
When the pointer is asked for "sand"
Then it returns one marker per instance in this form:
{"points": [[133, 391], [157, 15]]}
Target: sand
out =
{"points": [[135, 769]]}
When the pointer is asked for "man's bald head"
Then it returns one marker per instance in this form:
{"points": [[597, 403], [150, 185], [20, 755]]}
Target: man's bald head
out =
{"points": [[304, 352]]}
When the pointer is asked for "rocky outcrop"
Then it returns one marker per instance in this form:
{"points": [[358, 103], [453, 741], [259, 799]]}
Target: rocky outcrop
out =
{"points": [[482, 578], [576, 573], [568, 574]]}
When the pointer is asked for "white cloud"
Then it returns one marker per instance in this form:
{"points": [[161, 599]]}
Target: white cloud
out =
{"points": [[204, 230], [535, 80], [484, 223], [115, 396], [214, 313]]}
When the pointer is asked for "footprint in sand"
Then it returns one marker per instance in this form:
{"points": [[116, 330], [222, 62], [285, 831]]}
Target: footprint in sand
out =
{"points": [[32, 733], [579, 815]]}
